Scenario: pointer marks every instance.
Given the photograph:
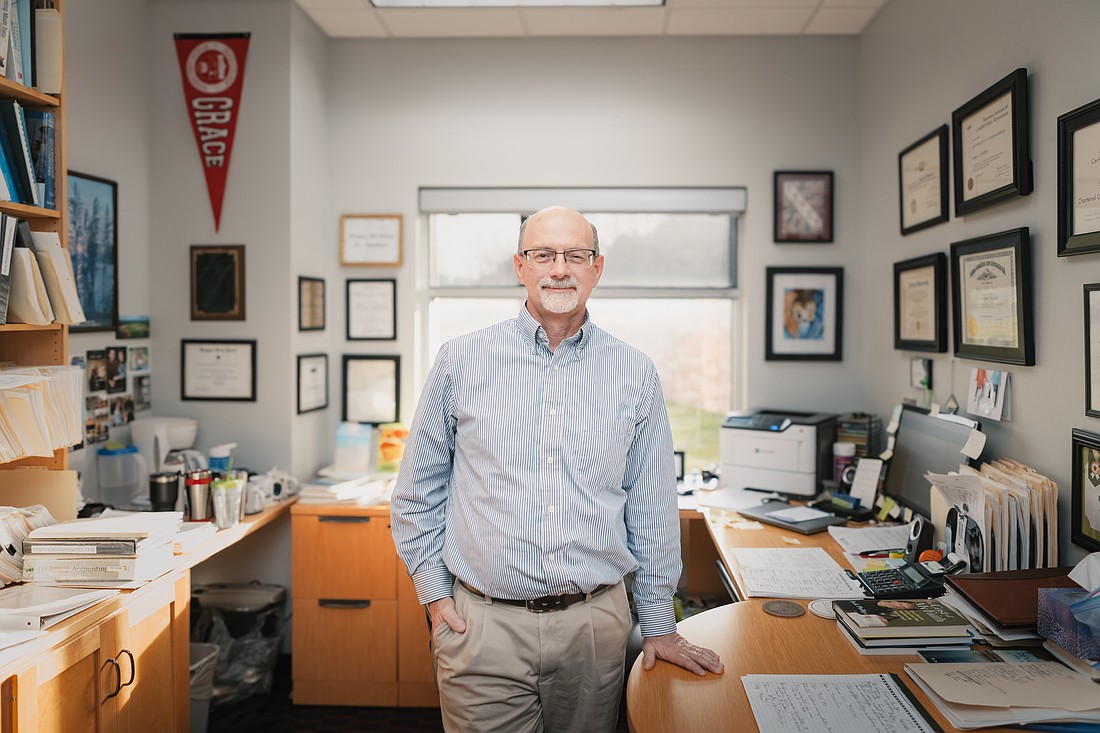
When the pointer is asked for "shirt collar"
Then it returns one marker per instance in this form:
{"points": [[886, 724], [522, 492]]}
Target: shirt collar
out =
{"points": [[533, 332]]}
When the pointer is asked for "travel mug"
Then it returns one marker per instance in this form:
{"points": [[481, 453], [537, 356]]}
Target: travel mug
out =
{"points": [[198, 494], [164, 489]]}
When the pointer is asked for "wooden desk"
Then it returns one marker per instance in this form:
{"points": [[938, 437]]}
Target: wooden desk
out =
{"points": [[749, 641]]}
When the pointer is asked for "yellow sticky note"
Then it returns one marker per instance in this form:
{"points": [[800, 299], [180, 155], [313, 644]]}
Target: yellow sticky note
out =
{"points": [[792, 540], [888, 505]]}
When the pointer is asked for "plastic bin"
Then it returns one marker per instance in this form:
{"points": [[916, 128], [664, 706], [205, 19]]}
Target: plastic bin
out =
{"points": [[204, 658], [247, 622]]}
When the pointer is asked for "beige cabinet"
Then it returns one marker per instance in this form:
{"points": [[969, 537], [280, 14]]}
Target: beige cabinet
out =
{"points": [[359, 635]]}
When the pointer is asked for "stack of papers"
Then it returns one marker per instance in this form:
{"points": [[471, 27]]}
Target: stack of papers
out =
{"points": [[796, 572], [15, 525], [987, 629], [192, 535], [41, 410], [37, 608], [359, 490]]}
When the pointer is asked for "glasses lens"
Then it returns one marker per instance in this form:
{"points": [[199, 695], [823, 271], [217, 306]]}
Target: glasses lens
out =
{"points": [[544, 258]]}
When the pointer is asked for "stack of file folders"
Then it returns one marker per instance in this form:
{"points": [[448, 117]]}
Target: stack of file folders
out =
{"points": [[16, 523], [41, 410], [901, 626], [360, 490], [112, 550]]}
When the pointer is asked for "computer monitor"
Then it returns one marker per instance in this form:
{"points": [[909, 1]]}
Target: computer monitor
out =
{"points": [[924, 442]]}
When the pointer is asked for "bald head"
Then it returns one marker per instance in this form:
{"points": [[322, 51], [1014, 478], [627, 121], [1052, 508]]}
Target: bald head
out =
{"points": [[555, 216]]}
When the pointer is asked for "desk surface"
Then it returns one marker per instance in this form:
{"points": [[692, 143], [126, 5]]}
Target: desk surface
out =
{"points": [[749, 641]]}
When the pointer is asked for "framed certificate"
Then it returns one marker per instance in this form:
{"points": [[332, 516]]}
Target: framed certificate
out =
{"points": [[370, 240], [991, 299], [371, 310], [804, 308], [1092, 349], [922, 182], [920, 303], [372, 389], [803, 206], [311, 304], [1084, 522], [312, 382], [214, 369], [991, 152], [1079, 180]]}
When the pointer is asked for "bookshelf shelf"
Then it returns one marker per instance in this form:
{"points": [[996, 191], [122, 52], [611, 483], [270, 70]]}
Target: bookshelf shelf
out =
{"points": [[31, 213], [25, 95]]}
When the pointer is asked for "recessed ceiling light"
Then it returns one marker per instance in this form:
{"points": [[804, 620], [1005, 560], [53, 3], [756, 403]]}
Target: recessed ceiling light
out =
{"points": [[514, 3]]}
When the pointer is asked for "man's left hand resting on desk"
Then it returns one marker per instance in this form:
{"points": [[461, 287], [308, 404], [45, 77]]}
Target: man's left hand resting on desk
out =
{"points": [[679, 651]]}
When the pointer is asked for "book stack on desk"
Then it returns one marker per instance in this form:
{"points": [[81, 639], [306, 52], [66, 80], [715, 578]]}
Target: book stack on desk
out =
{"points": [[901, 626], [114, 549]]}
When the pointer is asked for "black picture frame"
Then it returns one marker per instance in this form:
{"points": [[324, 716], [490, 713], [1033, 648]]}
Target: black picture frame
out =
{"points": [[218, 370], [922, 182], [912, 296], [1078, 189], [983, 269], [217, 282], [371, 389], [1085, 497], [371, 309], [804, 314], [678, 463], [93, 247], [978, 130], [803, 207], [311, 367], [311, 303], [1092, 349]]}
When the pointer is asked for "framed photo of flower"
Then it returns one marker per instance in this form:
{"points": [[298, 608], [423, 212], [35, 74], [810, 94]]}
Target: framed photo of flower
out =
{"points": [[804, 314]]}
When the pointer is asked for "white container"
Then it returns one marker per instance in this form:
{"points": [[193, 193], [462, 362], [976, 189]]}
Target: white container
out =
{"points": [[122, 476]]}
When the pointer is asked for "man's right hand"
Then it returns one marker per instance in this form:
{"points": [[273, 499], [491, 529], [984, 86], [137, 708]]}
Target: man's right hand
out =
{"points": [[444, 611]]}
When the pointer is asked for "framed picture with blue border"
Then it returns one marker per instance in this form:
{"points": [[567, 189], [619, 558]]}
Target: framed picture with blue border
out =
{"points": [[93, 247]]}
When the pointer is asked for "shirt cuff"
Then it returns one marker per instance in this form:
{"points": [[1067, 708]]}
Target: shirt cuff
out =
{"points": [[433, 584], [657, 619]]}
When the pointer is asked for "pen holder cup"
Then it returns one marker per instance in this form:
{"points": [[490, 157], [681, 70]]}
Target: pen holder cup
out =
{"points": [[227, 503]]}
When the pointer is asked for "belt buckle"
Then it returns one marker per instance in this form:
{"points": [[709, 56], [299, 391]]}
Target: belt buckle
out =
{"points": [[546, 604]]}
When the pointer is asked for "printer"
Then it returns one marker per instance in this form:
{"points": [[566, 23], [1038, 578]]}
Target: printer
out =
{"points": [[777, 450]]}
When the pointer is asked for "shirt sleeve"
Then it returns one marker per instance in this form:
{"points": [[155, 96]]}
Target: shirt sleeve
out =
{"points": [[418, 505], [652, 519]]}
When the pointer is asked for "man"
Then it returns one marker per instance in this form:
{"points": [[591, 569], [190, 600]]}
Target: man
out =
{"points": [[538, 473]]}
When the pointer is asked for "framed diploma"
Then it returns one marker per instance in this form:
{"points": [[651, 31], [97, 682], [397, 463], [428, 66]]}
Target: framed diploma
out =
{"points": [[372, 389], [804, 314], [312, 382], [922, 182], [1092, 349], [920, 303], [1079, 180], [370, 240], [803, 206], [214, 369], [371, 310], [311, 304], [1084, 523], [991, 298], [991, 152]]}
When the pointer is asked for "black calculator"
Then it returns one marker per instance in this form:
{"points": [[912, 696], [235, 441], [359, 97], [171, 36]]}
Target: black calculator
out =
{"points": [[907, 581]]}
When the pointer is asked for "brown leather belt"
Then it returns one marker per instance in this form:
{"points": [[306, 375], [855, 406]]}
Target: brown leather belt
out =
{"points": [[540, 605]]}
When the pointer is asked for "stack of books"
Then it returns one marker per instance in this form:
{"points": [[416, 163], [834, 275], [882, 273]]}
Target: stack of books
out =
{"points": [[901, 626], [862, 429], [114, 549], [16, 523]]}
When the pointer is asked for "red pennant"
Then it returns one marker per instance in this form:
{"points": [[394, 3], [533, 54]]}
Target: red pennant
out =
{"points": [[212, 66]]}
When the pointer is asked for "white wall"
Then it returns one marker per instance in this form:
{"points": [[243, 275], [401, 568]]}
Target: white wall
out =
{"points": [[920, 60]]}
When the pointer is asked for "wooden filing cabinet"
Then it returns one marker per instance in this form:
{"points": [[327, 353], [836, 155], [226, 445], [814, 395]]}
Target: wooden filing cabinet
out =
{"points": [[359, 635]]}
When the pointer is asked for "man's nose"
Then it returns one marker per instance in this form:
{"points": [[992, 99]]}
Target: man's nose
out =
{"points": [[559, 268]]}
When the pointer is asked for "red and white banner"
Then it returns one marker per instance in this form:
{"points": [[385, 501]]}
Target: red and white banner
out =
{"points": [[212, 66]]}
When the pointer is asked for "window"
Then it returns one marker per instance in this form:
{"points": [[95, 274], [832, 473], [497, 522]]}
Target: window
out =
{"points": [[668, 288]]}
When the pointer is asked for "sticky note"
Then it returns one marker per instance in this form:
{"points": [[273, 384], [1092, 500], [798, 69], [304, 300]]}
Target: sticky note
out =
{"points": [[934, 409], [974, 444], [888, 505]]}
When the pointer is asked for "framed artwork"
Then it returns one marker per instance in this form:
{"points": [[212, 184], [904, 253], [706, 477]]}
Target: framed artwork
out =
{"points": [[217, 282], [920, 303], [372, 389], [133, 327], [922, 182], [371, 310], [1079, 181], [1084, 520], [804, 314], [370, 240], [311, 304], [1092, 349], [992, 154], [803, 206], [93, 246], [218, 369], [312, 382], [991, 298]]}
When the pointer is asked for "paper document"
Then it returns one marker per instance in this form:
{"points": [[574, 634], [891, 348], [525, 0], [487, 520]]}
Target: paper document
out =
{"points": [[853, 703], [1003, 684], [865, 482], [855, 540], [798, 514], [795, 572], [732, 499]]}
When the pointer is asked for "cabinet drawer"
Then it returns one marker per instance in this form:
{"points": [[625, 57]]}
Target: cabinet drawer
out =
{"points": [[336, 640], [343, 556]]}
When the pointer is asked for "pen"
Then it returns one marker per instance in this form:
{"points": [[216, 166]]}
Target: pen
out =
{"points": [[880, 553]]}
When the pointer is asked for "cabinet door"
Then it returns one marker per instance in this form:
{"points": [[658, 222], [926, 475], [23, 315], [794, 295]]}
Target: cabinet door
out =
{"points": [[65, 688], [342, 557], [146, 662]]}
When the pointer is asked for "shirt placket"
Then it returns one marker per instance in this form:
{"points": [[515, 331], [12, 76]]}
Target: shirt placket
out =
{"points": [[552, 468]]}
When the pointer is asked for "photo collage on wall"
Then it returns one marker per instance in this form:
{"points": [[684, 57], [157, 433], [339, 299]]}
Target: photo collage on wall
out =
{"points": [[117, 382]]}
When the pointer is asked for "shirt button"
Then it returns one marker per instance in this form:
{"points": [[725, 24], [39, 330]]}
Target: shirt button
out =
{"points": [[550, 557], [553, 411], [556, 367], [550, 508], [549, 459]]}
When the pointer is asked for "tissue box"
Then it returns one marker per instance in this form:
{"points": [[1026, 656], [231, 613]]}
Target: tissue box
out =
{"points": [[1057, 623]]}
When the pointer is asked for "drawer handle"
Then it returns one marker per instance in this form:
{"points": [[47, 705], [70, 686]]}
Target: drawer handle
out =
{"points": [[343, 520], [133, 669], [342, 603], [118, 684]]}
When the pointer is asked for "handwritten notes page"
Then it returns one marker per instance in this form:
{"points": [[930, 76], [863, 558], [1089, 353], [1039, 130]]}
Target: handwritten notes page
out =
{"points": [[796, 572], [853, 703]]}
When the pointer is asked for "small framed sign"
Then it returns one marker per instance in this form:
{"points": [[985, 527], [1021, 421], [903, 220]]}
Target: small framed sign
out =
{"points": [[311, 304], [372, 389], [372, 310], [217, 282], [370, 240], [312, 382]]}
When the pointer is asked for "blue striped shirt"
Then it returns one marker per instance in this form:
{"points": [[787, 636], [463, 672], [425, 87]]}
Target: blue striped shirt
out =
{"points": [[530, 472]]}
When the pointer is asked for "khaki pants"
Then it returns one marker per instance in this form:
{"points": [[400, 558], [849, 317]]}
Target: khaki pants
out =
{"points": [[518, 671]]}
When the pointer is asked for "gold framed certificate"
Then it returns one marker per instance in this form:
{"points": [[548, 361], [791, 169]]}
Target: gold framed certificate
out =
{"points": [[370, 240], [920, 303]]}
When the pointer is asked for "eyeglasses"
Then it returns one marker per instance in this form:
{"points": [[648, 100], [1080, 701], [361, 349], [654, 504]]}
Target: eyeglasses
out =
{"points": [[544, 259]]}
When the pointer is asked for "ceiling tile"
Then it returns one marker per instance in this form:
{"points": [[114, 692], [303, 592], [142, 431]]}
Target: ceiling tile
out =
{"points": [[310, 5], [737, 21], [851, 3], [840, 21], [594, 21], [452, 22], [349, 23]]}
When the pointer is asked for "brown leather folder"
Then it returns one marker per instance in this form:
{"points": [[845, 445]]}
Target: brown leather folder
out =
{"points": [[1010, 597]]}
